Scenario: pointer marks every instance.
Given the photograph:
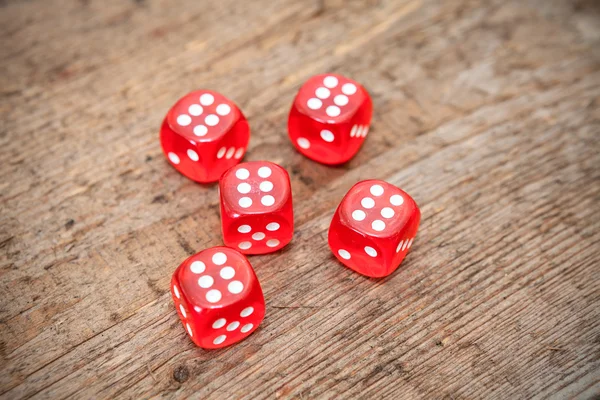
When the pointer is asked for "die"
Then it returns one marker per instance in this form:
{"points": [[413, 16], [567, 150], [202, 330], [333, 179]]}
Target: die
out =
{"points": [[203, 135], [373, 228], [330, 118], [256, 207], [218, 297]]}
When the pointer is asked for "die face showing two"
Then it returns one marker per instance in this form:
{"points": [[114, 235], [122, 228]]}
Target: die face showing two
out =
{"points": [[330, 118], [203, 135], [256, 207], [218, 297], [374, 227]]}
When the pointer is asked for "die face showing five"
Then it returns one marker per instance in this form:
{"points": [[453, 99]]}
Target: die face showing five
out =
{"points": [[256, 207], [218, 297], [203, 135], [374, 227], [330, 118]]}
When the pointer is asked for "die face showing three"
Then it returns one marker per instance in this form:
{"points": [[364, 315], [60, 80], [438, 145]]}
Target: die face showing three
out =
{"points": [[374, 227], [218, 297], [256, 207], [330, 118], [203, 135]]}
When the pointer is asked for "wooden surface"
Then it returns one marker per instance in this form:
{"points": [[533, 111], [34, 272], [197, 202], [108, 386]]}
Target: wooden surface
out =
{"points": [[486, 112]]}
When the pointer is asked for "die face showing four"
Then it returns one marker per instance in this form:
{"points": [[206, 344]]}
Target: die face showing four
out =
{"points": [[218, 297], [256, 207], [203, 135], [330, 118], [374, 227]]}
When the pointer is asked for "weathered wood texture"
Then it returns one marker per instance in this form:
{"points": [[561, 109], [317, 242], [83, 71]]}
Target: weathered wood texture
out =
{"points": [[487, 112]]}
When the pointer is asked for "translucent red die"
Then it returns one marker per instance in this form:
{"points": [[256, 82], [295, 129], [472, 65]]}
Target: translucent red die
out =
{"points": [[218, 297], [330, 118], [374, 227], [203, 135], [256, 207]]}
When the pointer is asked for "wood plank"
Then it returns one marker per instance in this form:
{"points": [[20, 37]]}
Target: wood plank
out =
{"points": [[486, 112]]}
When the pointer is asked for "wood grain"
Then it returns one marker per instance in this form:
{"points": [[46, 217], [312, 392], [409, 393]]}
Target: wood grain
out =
{"points": [[486, 112]]}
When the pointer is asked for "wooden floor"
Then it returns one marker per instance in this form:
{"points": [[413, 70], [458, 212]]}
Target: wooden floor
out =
{"points": [[486, 112]]}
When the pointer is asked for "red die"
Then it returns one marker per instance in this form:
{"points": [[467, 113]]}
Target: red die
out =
{"points": [[218, 297], [203, 135], [256, 207], [330, 118], [374, 227]]}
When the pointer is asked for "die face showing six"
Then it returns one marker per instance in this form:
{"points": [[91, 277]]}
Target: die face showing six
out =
{"points": [[218, 297], [203, 135], [330, 118], [374, 227], [256, 207], [202, 116]]}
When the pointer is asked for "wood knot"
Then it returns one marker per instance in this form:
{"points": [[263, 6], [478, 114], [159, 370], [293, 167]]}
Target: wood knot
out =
{"points": [[161, 199], [181, 373]]}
